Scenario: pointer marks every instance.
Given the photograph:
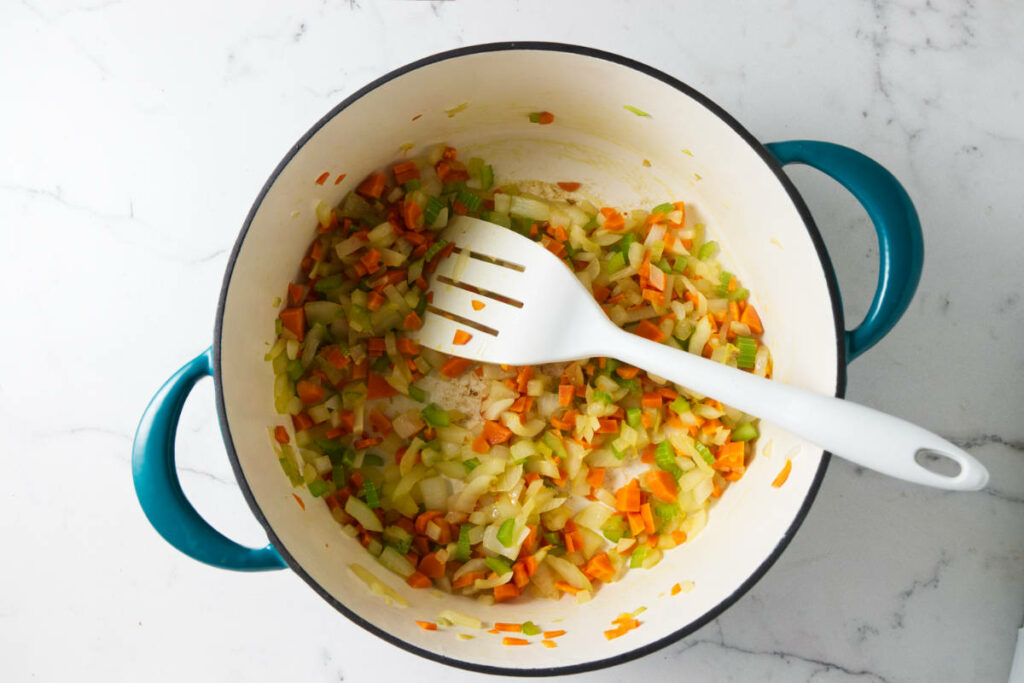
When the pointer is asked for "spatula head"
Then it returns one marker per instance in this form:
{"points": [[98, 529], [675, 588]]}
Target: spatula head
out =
{"points": [[518, 302]]}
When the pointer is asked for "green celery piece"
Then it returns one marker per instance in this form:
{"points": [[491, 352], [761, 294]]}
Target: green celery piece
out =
{"points": [[486, 177], [740, 294], [435, 250], [665, 458], [294, 369], [398, 538], [497, 218], [498, 565], [634, 418], [638, 112], [417, 394], [462, 549], [530, 628], [535, 117], [601, 396], [636, 560], [338, 476], [615, 263], [430, 211], [704, 453], [317, 487], [326, 284], [679, 265], [667, 207], [411, 185], [665, 510], [291, 470], [625, 243], [506, 532], [614, 529], [468, 199], [707, 250], [611, 365], [471, 464], [372, 497], [381, 365], [436, 417], [680, 405], [745, 432], [664, 265]]}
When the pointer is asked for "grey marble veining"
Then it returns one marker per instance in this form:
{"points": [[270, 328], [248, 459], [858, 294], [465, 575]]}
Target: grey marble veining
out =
{"points": [[134, 138]]}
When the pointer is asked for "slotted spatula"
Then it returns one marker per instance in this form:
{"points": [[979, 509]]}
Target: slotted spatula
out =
{"points": [[536, 311]]}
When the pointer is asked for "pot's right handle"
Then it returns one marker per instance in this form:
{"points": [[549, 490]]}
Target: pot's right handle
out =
{"points": [[158, 488], [900, 243]]}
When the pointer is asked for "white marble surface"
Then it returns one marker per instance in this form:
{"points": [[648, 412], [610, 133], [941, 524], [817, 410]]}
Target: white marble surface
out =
{"points": [[134, 137]]}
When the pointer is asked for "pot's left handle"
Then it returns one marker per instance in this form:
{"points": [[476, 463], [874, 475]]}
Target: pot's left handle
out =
{"points": [[158, 488]]}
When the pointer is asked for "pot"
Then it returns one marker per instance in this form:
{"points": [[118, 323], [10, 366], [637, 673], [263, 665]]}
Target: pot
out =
{"points": [[676, 145]]}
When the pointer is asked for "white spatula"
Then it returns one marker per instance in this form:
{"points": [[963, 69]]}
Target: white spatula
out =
{"points": [[536, 311]]}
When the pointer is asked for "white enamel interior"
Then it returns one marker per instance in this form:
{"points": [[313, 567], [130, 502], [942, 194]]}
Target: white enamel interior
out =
{"points": [[595, 141]]}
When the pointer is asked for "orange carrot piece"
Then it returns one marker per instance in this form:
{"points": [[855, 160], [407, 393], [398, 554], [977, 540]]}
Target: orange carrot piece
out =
{"points": [[418, 580], [426, 625], [374, 300], [431, 567], [299, 501], [627, 498], [595, 477], [309, 393], [380, 422], [565, 395], [412, 215], [636, 523], [752, 320], [412, 321], [649, 330], [607, 426], [600, 567], [783, 475], [679, 537], [373, 186], [294, 320], [303, 421], [477, 305], [405, 171], [377, 387], [569, 187], [676, 589], [613, 633], [627, 371], [519, 576], [566, 587], [647, 515], [296, 293], [281, 434], [549, 643], [506, 591], [504, 627], [461, 338], [407, 347], [495, 432], [662, 484], [553, 634], [323, 178], [508, 640], [453, 367]]}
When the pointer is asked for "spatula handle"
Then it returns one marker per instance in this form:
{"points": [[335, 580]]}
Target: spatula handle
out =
{"points": [[859, 434]]}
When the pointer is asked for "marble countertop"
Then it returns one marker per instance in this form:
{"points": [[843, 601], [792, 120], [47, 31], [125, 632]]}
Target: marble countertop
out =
{"points": [[134, 138]]}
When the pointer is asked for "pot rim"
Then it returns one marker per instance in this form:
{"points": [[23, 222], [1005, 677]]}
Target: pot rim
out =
{"points": [[812, 231]]}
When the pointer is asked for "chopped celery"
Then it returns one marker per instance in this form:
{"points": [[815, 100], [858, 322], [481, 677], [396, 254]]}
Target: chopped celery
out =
{"points": [[411, 185], [748, 352], [665, 510], [462, 547], [745, 432], [723, 283], [530, 628], [704, 453], [471, 464], [417, 394], [611, 365], [625, 243], [317, 487], [665, 458], [372, 497], [498, 565], [679, 265], [664, 265], [506, 532], [614, 264], [497, 218], [294, 369], [326, 284], [707, 250], [435, 417], [398, 538], [667, 207], [637, 558], [602, 396], [431, 210], [555, 444], [638, 112], [739, 295], [680, 406], [614, 529], [291, 470], [435, 250], [453, 187], [338, 476], [468, 199], [634, 418]]}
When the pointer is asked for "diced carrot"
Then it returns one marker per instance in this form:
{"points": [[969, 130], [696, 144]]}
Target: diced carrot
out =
{"points": [[651, 400], [613, 220], [679, 537], [648, 518], [375, 346], [636, 523], [569, 187], [505, 627], [323, 178], [545, 117], [426, 625], [418, 580], [627, 498], [302, 421], [336, 357], [676, 589], [522, 404], [662, 484], [309, 393], [412, 321], [519, 576], [374, 300], [607, 426], [453, 367], [294, 320], [730, 456], [477, 305], [380, 422], [649, 330], [495, 432], [783, 475], [530, 561], [549, 643], [373, 186], [299, 501], [369, 442], [407, 346], [317, 251], [600, 567], [431, 567], [370, 260], [553, 634], [595, 477], [566, 587], [506, 591], [377, 387], [627, 371], [281, 434], [480, 445], [752, 320], [509, 640], [412, 215], [613, 633], [461, 338], [405, 171], [657, 279], [528, 545], [565, 395], [296, 294]]}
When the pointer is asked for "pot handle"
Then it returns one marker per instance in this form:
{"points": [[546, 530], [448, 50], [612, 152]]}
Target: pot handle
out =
{"points": [[158, 488], [900, 242]]}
